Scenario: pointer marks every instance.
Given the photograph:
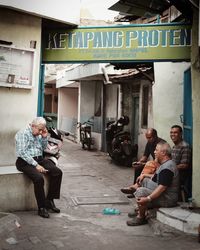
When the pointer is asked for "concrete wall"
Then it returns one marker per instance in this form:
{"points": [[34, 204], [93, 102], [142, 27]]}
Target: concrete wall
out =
{"points": [[57, 10], [111, 101], [87, 100], [195, 60], [67, 109], [53, 106], [17, 106], [168, 96]]}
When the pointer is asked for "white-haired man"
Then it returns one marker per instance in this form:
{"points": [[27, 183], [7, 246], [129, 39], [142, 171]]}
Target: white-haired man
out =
{"points": [[30, 144], [159, 191]]}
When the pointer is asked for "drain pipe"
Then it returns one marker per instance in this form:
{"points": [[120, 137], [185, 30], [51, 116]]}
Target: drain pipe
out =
{"points": [[119, 103]]}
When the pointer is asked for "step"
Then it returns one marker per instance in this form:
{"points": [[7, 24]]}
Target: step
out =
{"points": [[179, 218], [17, 191]]}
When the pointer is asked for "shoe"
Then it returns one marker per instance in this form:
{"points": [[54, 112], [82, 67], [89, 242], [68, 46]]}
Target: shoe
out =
{"points": [[137, 222], [51, 206], [132, 214], [43, 212], [131, 196], [128, 190]]}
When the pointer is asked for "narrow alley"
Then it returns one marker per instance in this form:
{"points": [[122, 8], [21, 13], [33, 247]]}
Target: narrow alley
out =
{"points": [[90, 180]]}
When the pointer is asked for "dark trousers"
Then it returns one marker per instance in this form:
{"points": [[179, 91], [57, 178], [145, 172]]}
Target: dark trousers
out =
{"points": [[54, 174], [185, 176], [137, 174]]}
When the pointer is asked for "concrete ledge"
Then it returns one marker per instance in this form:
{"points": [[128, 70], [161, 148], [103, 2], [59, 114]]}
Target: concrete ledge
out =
{"points": [[180, 219], [17, 191]]}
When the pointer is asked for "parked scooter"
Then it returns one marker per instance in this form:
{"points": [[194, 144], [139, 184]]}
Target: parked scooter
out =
{"points": [[55, 142], [85, 134], [119, 144]]}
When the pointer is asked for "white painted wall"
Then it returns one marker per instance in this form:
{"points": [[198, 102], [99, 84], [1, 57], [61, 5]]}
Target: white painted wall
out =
{"points": [[61, 10], [87, 100], [111, 101], [17, 106], [195, 57], [168, 96], [67, 108]]}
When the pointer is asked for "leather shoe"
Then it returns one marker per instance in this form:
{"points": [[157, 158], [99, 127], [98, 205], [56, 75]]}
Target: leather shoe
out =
{"points": [[132, 214], [51, 206], [128, 190], [137, 222], [43, 212], [131, 196]]}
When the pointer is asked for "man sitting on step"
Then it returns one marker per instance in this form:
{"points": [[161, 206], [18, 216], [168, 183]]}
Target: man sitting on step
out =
{"points": [[159, 191]]}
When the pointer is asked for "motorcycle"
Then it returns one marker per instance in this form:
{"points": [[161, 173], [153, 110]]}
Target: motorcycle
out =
{"points": [[55, 142], [119, 144], [85, 134]]}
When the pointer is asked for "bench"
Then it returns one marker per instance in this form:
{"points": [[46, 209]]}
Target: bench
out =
{"points": [[16, 190]]}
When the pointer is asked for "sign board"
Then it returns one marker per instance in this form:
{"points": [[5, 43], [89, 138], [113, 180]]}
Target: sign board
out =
{"points": [[161, 42]]}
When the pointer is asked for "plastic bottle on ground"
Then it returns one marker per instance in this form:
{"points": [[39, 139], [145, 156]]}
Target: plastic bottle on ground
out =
{"points": [[112, 211]]}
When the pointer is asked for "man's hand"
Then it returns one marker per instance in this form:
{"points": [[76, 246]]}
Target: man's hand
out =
{"points": [[41, 169], [44, 132], [137, 164], [140, 179], [142, 201]]}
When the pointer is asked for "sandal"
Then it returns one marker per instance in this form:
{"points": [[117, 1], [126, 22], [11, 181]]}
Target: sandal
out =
{"points": [[137, 221], [128, 190]]}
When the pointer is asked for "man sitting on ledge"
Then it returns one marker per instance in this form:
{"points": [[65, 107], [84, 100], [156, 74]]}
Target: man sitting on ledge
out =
{"points": [[30, 144], [159, 191]]}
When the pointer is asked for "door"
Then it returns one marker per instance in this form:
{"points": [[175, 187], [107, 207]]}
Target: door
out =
{"points": [[135, 118], [187, 107]]}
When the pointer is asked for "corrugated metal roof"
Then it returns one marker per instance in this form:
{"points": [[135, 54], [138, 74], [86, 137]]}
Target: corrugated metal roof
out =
{"points": [[148, 8], [140, 8]]}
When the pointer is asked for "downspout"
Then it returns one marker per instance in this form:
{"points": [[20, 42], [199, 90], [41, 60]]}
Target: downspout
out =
{"points": [[120, 98], [40, 109], [103, 124]]}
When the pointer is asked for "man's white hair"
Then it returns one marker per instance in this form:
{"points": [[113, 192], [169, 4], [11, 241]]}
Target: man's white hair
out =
{"points": [[39, 121]]}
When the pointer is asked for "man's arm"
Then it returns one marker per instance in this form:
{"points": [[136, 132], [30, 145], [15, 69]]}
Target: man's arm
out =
{"points": [[155, 194], [142, 176], [44, 140], [185, 158], [183, 166], [22, 143], [143, 159]]}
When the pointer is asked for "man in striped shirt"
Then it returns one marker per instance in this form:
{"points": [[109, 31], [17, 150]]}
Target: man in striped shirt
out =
{"points": [[181, 154], [30, 144]]}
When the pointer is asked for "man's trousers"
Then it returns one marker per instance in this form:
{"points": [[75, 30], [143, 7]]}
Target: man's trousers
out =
{"points": [[54, 174]]}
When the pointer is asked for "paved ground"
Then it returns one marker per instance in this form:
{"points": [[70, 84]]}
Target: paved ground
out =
{"points": [[84, 227]]}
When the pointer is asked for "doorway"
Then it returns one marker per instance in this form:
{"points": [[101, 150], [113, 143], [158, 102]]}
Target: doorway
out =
{"points": [[187, 107]]}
